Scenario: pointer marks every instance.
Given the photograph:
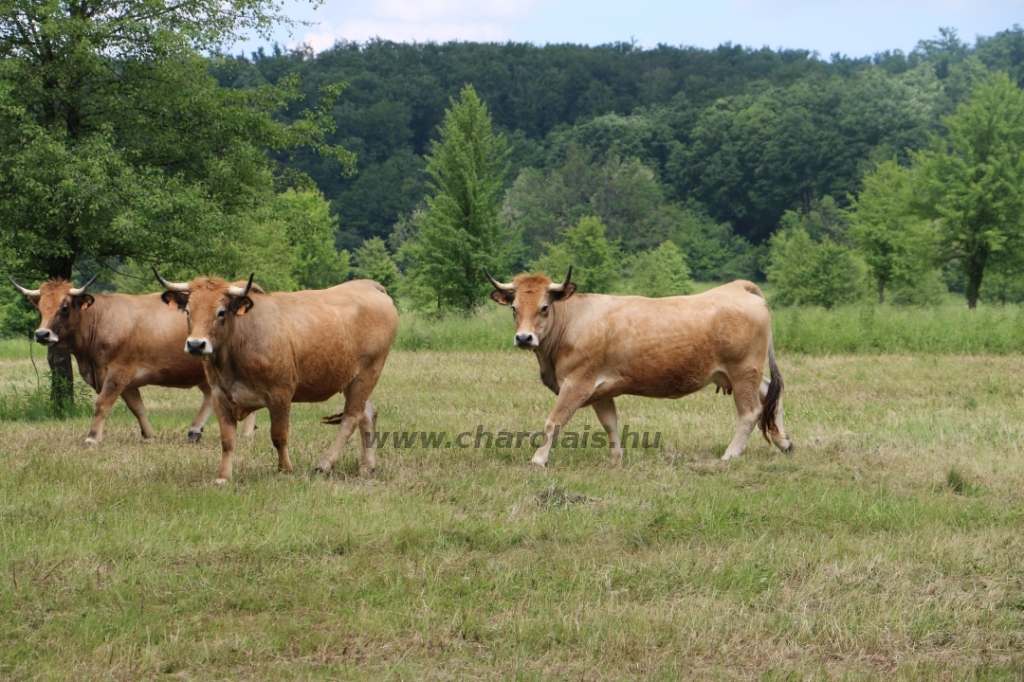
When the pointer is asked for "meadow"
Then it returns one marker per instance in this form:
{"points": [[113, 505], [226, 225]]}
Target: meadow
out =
{"points": [[888, 546]]}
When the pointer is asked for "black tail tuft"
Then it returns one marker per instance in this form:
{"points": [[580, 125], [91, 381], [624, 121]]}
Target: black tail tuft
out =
{"points": [[332, 419], [771, 400]]}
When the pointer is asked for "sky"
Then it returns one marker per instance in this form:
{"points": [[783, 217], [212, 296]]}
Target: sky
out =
{"points": [[854, 29]]}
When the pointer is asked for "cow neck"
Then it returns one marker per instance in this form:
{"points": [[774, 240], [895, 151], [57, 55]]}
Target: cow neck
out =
{"points": [[87, 333], [552, 341]]}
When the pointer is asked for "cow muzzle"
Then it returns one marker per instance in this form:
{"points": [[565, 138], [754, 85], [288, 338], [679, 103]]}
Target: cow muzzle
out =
{"points": [[46, 337], [526, 340], [198, 347]]}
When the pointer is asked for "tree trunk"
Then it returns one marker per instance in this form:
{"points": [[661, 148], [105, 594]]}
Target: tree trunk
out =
{"points": [[881, 292], [62, 381], [975, 270]]}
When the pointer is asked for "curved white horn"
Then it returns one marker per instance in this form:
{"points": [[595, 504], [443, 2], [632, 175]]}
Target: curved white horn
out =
{"points": [[239, 291], [30, 293], [500, 286], [171, 286], [561, 287], [81, 290]]}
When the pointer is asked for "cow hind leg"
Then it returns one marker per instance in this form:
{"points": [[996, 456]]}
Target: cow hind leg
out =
{"points": [[776, 431], [746, 395], [359, 413], [280, 418], [133, 399], [605, 410]]}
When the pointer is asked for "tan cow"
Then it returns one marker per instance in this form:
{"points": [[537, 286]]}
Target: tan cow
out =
{"points": [[593, 348], [272, 350], [121, 343]]}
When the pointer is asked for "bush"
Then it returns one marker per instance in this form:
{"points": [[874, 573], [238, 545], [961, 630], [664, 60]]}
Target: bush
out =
{"points": [[374, 262], [584, 247], [660, 272], [806, 272]]}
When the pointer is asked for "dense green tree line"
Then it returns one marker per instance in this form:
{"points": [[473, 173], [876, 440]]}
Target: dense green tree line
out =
{"points": [[747, 134]]}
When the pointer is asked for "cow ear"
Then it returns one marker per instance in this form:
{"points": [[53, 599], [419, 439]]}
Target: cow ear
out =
{"points": [[175, 300], [503, 297], [83, 302], [240, 305], [569, 290]]}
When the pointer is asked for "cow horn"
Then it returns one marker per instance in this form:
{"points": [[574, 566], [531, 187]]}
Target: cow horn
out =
{"points": [[171, 286], [561, 287], [500, 286], [239, 291], [81, 290], [30, 293]]}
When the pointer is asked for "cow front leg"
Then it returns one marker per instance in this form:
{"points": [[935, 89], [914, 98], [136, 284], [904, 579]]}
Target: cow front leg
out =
{"points": [[605, 411], [570, 399], [195, 429], [280, 418], [133, 399], [113, 385], [747, 396], [228, 424]]}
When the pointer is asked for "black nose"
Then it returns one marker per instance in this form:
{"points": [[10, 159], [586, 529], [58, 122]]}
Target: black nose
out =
{"points": [[193, 346], [523, 339], [42, 335]]}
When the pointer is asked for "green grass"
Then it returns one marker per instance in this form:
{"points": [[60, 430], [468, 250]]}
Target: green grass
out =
{"points": [[887, 547]]}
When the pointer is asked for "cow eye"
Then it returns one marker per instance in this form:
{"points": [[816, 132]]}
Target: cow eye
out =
{"points": [[513, 309], [64, 309], [543, 309], [221, 313]]}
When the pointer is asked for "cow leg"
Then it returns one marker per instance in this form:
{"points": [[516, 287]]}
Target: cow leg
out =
{"points": [[605, 410], [356, 415], [746, 394], [228, 424], [195, 429], [249, 425], [133, 399], [778, 433], [569, 400], [368, 440], [113, 385], [280, 418]]}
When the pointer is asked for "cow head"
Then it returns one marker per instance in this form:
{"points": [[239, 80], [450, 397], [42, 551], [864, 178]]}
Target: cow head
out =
{"points": [[531, 298], [60, 306], [211, 306]]}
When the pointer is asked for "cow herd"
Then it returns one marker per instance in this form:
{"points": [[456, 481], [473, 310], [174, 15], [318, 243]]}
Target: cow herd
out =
{"points": [[246, 349]]}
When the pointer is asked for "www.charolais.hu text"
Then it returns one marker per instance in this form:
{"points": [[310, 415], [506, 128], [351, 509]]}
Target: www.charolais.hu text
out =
{"points": [[509, 439]]}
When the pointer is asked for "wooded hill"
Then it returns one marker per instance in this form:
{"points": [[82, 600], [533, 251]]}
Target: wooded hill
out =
{"points": [[735, 134]]}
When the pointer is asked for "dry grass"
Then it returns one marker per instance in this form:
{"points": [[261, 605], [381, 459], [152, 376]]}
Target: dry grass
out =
{"points": [[888, 546]]}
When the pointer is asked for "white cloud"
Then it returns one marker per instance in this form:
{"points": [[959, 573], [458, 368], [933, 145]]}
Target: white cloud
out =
{"points": [[418, 20]]}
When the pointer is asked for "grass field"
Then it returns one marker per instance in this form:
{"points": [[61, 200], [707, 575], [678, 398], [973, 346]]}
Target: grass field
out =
{"points": [[888, 546]]}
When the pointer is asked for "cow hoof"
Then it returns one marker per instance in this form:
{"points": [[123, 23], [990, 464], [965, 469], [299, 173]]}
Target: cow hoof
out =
{"points": [[366, 472], [220, 481], [539, 462], [91, 441], [194, 436], [726, 457], [321, 469], [788, 449]]}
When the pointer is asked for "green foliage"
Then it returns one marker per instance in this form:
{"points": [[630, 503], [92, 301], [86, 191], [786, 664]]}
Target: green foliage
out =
{"points": [[974, 182], [18, 318], [712, 251], [660, 272], [621, 191], [595, 261], [806, 272], [897, 245], [460, 234], [35, 404], [374, 262], [118, 143]]}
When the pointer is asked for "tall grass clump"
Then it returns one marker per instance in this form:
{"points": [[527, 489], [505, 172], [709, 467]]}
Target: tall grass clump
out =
{"points": [[34, 404], [486, 329], [870, 328]]}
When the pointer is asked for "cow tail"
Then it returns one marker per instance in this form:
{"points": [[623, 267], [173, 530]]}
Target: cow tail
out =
{"points": [[774, 395], [332, 419]]}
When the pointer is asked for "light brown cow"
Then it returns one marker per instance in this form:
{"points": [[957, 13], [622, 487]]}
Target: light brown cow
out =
{"points": [[593, 348], [121, 343], [276, 349]]}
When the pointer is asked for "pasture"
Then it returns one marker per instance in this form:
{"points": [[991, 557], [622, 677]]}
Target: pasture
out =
{"points": [[888, 546]]}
